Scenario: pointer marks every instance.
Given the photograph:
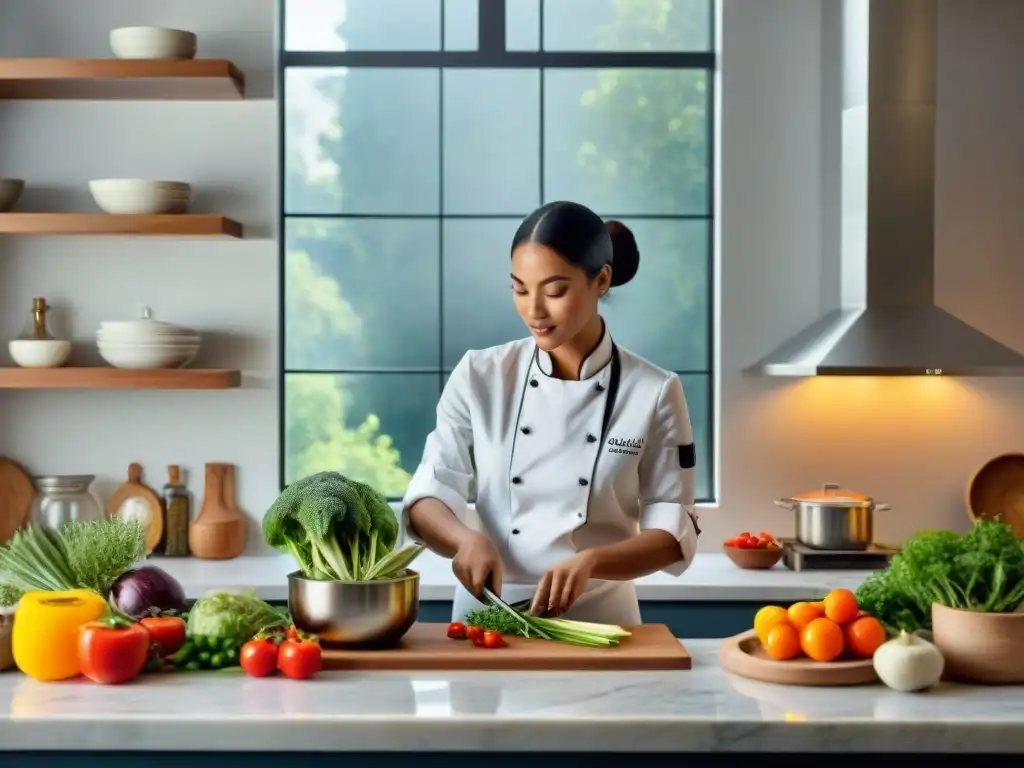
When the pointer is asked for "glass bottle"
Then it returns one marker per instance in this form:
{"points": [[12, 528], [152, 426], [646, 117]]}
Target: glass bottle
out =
{"points": [[177, 513], [36, 329]]}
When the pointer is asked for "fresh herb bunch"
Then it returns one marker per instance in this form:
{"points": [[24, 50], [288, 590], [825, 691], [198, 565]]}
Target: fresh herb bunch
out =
{"points": [[81, 555], [982, 570], [9, 595], [509, 621]]}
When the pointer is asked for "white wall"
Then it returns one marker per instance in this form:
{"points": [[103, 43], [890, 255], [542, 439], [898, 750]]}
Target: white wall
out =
{"points": [[912, 443], [227, 289]]}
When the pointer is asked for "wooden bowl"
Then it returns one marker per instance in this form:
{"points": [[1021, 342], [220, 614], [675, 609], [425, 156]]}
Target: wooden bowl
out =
{"points": [[996, 492], [753, 559]]}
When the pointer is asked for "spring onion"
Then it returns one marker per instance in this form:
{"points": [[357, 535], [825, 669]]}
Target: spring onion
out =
{"points": [[509, 621]]}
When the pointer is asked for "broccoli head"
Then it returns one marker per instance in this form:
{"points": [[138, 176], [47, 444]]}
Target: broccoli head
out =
{"points": [[335, 528]]}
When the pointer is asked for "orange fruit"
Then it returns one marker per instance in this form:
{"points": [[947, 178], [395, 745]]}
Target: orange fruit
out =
{"points": [[802, 614], [783, 642], [768, 617], [864, 636], [822, 640], [841, 606]]}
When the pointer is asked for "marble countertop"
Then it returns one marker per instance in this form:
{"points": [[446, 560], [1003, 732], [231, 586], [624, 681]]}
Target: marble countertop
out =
{"points": [[701, 710], [712, 577]]}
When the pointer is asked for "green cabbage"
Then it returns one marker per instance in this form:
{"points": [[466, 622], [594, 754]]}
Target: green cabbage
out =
{"points": [[235, 616]]}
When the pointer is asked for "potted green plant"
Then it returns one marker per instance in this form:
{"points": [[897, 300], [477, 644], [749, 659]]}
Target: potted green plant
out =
{"points": [[968, 590], [352, 586], [9, 597]]}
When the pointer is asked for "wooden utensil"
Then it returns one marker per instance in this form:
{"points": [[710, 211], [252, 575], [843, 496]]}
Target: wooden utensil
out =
{"points": [[218, 532], [17, 492], [136, 501], [743, 655], [996, 492], [427, 647]]}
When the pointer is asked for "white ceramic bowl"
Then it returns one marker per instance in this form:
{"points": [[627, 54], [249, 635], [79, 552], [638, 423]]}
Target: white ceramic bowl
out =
{"points": [[10, 191], [141, 357], [152, 43], [39, 353], [140, 195]]}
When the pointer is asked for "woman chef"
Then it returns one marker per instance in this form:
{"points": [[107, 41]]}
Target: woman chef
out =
{"points": [[581, 451]]}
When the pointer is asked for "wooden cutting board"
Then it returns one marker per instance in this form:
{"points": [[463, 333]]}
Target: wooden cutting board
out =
{"points": [[17, 493], [426, 647]]}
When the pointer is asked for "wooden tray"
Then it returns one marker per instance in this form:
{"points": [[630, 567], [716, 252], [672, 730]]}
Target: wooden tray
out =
{"points": [[743, 655], [426, 647]]}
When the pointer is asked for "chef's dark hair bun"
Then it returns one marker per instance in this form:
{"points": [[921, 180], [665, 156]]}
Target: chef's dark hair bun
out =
{"points": [[583, 239], [625, 253]]}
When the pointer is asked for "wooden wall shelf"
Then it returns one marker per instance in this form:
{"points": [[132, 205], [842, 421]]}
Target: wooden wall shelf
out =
{"points": [[168, 225], [143, 79], [101, 377]]}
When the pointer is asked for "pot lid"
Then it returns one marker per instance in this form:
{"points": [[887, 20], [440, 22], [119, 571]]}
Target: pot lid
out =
{"points": [[145, 324], [832, 493]]}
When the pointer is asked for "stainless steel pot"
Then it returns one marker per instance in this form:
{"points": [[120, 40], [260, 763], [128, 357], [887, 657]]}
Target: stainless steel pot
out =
{"points": [[833, 518], [357, 614]]}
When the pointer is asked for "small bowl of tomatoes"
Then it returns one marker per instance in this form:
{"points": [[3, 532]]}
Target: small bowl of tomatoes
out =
{"points": [[756, 552]]}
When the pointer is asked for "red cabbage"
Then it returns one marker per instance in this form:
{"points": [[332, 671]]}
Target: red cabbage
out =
{"points": [[146, 591]]}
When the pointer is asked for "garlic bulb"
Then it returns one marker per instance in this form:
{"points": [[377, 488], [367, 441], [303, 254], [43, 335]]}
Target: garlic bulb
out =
{"points": [[908, 663]]}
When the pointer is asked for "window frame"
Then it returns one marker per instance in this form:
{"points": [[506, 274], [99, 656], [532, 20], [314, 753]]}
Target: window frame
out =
{"points": [[491, 54]]}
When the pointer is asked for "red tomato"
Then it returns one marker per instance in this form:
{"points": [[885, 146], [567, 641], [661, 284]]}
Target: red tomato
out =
{"points": [[476, 634], [493, 639], [744, 535], [731, 542], [112, 654], [457, 630], [167, 633], [299, 659], [258, 657], [748, 543]]}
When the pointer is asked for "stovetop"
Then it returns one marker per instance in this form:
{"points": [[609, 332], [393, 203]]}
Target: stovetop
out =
{"points": [[799, 557]]}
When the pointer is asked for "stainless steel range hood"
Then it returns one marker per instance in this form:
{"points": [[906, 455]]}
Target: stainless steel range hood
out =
{"points": [[888, 323]]}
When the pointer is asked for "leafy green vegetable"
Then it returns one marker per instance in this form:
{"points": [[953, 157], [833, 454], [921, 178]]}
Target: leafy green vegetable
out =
{"points": [[221, 620], [99, 551], [337, 529], [509, 621], [81, 555], [982, 570], [9, 595]]}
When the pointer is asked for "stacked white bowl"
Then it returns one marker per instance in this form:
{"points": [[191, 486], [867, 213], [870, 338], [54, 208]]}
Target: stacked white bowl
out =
{"points": [[152, 43], [140, 195], [146, 343]]}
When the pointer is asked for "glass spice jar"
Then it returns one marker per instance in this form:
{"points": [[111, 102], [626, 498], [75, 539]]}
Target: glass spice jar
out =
{"points": [[178, 512]]}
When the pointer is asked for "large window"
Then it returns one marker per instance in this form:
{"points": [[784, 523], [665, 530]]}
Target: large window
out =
{"points": [[416, 135]]}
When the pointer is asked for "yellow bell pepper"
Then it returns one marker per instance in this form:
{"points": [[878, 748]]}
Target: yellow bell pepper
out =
{"points": [[45, 635]]}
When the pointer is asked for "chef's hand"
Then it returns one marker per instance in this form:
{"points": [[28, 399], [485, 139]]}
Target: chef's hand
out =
{"points": [[477, 565], [563, 584]]}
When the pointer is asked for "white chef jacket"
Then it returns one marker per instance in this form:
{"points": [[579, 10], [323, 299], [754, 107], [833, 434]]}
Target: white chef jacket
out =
{"points": [[548, 483]]}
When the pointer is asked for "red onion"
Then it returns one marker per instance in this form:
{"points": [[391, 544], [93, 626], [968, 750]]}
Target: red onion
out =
{"points": [[147, 590]]}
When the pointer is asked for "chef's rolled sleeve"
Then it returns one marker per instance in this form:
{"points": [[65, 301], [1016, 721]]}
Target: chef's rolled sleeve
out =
{"points": [[446, 469], [667, 474]]}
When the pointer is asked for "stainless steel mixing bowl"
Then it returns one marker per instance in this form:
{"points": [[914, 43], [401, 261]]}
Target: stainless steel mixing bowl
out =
{"points": [[343, 614]]}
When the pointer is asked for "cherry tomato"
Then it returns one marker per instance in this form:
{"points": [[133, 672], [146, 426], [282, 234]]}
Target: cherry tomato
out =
{"points": [[766, 535], [476, 634], [457, 630], [493, 639], [258, 657], [299, 659], [166, 633], [731, 542], [112, 653], [743, 535], [748, 543]]}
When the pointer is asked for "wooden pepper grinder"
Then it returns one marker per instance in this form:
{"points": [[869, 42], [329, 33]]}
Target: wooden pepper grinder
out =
{"points": [[218, 532]]}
